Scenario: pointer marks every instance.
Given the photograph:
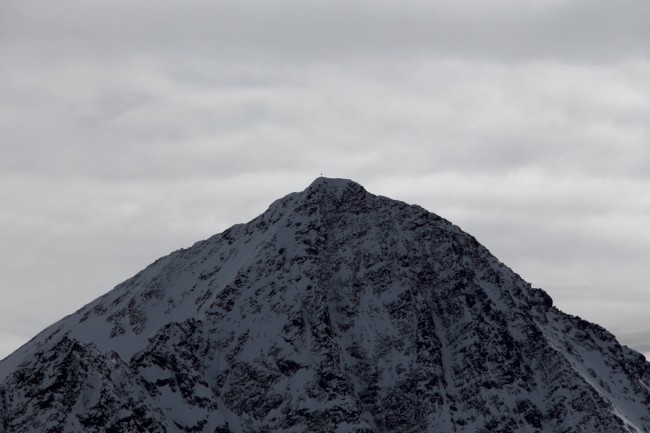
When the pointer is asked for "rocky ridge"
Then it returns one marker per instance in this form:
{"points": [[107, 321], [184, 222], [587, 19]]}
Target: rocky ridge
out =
{"points": [[334, 311]]}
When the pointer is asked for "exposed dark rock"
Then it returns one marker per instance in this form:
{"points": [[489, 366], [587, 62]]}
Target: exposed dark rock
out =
{"points": [[334, 311]]}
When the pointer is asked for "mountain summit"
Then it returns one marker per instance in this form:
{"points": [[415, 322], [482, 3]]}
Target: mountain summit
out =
{"points": [[334, 311]]}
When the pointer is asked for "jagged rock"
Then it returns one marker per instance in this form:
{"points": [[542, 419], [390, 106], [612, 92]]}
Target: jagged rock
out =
{"points": [[334, 311]]}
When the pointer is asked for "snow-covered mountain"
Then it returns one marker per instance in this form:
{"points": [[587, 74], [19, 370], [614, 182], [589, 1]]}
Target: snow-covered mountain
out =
{"points": [[334, 311]]}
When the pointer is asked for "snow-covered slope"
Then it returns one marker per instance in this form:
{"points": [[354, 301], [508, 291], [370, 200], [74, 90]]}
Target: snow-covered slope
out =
{"points": [[334, 311]]}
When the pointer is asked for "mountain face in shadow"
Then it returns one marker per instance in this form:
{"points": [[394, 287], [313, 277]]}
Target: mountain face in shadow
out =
{"points": [[334, 311]]}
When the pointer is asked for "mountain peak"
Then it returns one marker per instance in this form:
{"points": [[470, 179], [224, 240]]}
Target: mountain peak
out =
{"points": [[331, 182], [335, 310], [334, 185], [334, 194]]}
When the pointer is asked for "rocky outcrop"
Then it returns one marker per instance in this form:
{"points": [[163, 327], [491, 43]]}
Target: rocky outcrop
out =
{"points": [[334, 311]]}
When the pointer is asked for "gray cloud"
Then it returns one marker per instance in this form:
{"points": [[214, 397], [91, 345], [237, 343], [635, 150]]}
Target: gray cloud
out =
{"points": [[133, 129], [148, 120], [293, 30]]}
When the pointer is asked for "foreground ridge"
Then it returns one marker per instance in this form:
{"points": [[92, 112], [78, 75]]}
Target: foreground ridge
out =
{"points": [[334, 311]]}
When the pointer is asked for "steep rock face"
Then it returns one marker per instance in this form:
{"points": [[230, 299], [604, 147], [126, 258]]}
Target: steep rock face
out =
{"points": [[334, 311]]}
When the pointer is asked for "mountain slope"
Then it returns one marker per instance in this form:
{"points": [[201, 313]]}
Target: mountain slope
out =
{"points": [[334, 311]]}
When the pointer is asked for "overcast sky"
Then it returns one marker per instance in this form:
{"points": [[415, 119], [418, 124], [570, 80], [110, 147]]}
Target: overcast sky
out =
{"points": [[129, 129]]}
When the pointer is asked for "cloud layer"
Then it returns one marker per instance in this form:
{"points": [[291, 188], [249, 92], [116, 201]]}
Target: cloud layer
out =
{"points": [[131, 129]]}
